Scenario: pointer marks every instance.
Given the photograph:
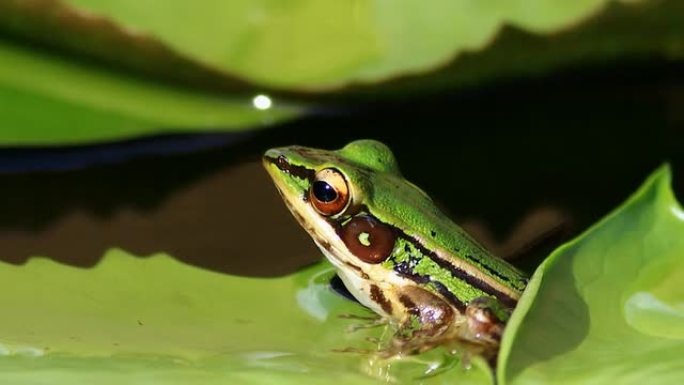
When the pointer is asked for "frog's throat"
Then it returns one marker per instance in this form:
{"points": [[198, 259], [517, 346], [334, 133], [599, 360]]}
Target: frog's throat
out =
{"points": [[356, 281]]}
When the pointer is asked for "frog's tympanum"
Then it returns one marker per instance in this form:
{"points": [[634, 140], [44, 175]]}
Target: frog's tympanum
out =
{"points": [[393, 249]]}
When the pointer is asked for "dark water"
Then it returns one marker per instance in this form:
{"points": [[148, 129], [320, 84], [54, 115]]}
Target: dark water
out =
{"points": [[523, 165]]}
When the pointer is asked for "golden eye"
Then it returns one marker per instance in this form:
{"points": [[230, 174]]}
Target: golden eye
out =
{"points": [[329, 192]]}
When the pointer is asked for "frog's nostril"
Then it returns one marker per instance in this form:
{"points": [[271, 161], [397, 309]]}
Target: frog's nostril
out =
{"points": [[281, 162]]}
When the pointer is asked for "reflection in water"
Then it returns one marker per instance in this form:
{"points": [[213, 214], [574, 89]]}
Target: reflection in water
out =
{"points": [[436, 366], [311, 298]]}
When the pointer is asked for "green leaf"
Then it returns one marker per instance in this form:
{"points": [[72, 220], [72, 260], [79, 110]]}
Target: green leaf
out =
{"points": [[48, 100], [224, 52], [155, 320], [607, 308], [316, 45]]}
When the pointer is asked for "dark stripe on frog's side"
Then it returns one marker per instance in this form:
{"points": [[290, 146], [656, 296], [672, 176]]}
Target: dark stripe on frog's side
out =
{"points": [[458, 304], [518, 285], [474, 255], [421, 279], [504, 298], [455, 272], [379, 298]]}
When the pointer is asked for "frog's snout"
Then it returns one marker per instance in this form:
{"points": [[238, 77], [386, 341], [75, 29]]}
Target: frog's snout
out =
{"points": [[272, 154], [277, 158]]}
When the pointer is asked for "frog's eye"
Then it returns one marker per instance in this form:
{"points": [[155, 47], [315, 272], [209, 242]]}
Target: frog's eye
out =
{"points": [[329, 192]]}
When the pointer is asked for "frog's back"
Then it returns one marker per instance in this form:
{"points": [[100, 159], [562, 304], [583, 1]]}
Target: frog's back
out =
{"points": [[425, 220]]}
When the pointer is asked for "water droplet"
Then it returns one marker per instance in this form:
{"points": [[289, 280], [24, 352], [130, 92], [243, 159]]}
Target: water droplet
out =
{"points": [[262, 102]]}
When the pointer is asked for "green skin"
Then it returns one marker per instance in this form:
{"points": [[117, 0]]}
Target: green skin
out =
{"points": [[437, 282]]}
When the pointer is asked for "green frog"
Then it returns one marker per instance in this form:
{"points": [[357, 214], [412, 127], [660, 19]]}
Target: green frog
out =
{"points": [[393, 249]]}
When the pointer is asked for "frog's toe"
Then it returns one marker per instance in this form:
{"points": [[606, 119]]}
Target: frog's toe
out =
{"points": [[373, 323], [371, 317]]}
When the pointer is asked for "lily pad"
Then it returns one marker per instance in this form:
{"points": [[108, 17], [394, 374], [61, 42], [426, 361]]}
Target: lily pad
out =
{"points": [[51, 100], [123, 69], [318, 45], [155, 320], [608, 307]]}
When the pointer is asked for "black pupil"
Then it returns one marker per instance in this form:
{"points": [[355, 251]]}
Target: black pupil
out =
{"points": [[324, 192]]}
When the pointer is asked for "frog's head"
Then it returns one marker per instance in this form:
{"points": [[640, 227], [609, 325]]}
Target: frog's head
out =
{"points": [[328, 192]]}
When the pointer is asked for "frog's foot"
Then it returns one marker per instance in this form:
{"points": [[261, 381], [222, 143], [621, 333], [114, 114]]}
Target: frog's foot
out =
{"points": [[400, 346], [452, 346], [416, 343], [369, 322], [373, 340], [485, 319], [368, 325], [353, 350], [466, 350], [360, 317]]}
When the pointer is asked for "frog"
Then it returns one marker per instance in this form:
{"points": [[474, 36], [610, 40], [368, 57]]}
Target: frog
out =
{"points": [[394, 250]]}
